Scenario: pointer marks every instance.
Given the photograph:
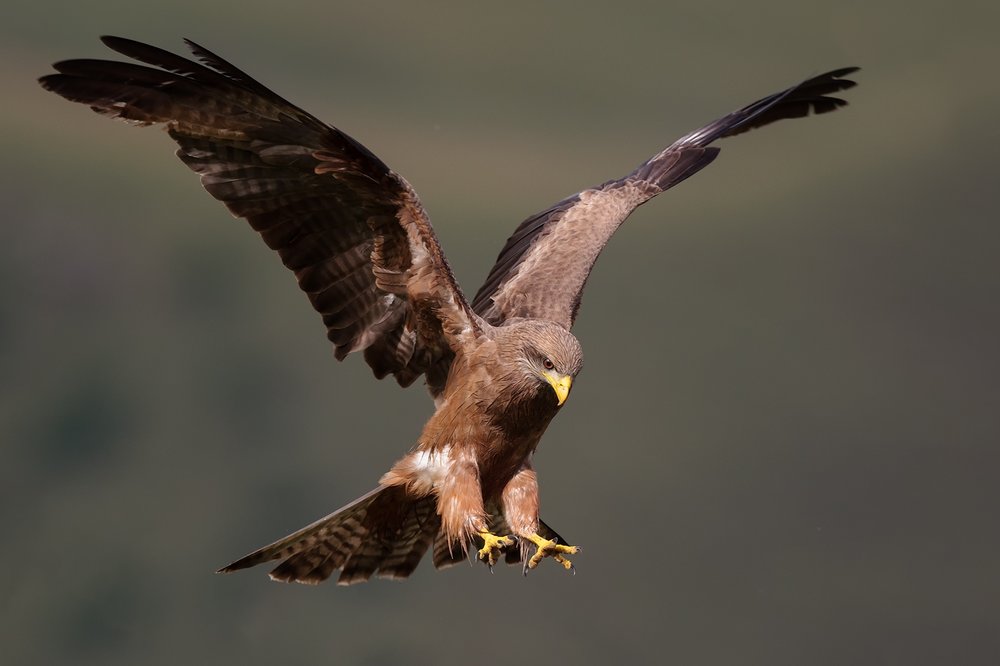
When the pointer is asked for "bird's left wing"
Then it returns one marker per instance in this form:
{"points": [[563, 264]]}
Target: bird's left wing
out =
{"points": [[353, 231], [541, 271]]}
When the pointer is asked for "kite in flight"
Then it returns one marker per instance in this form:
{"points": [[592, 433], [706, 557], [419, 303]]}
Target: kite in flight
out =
{"points": [[363, 250]]}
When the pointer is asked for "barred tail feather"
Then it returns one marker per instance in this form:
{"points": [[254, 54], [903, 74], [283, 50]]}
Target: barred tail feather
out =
{"points": [[382, 533]]}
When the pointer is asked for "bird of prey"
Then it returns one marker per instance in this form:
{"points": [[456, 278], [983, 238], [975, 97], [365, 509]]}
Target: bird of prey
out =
{"points": [[353, 231]]}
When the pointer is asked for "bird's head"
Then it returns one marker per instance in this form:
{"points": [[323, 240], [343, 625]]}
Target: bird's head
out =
{"points": [[548, 359]]}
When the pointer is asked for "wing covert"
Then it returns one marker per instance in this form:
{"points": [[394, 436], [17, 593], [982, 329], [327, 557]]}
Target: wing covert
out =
{"points": [[353, 231], [542, 269]]}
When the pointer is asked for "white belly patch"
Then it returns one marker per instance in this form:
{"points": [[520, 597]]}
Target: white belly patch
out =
{"points": [[430, 468]]}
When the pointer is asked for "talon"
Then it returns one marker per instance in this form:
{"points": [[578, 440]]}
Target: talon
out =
{"points": [[550, 548], [493, 545], [566, 564]]}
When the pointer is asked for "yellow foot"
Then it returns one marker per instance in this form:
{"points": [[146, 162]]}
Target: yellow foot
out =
{"points": [[493, 545], [550, 548]]}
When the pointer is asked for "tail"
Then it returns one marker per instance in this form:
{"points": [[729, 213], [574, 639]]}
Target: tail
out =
{"points": [[383, 533]]}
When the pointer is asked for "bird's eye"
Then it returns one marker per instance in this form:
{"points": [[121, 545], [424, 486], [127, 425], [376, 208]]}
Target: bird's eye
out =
{"points": [[548, 365]]}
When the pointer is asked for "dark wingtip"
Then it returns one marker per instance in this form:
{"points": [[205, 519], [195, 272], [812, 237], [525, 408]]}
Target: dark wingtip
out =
{"points": [[834, 78], [48, 81], [119, 44], [843, 71], [193, 46]]}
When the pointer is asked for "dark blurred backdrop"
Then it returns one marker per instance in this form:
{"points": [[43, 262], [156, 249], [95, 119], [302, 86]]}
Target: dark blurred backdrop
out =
{"points": [[783, 449]]}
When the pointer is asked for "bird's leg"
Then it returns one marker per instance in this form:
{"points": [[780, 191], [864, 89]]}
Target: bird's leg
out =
{"points": [[493, 545], [460, 503], [520, 506], [550, 548]]}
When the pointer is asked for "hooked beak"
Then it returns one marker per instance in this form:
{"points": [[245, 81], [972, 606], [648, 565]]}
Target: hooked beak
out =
{"points": [[561, 384]]}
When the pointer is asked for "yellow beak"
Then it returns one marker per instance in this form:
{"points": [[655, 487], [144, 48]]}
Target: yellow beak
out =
{"points": [[561, 384]]}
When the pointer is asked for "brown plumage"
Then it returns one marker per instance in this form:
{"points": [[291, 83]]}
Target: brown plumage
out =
{"points": [[363, 250]]}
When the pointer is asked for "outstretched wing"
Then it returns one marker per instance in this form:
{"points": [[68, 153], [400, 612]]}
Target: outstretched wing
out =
{"points": [[541, 271], [352, 230]]}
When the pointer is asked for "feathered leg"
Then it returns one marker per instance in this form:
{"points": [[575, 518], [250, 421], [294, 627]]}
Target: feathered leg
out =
{"points": [[520, 507]]}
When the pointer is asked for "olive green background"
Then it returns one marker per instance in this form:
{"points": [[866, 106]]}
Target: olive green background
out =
{"points": [[783, 448]]}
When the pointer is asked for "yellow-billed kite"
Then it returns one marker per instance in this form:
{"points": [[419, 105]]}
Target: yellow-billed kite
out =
{"points": [[363, 250]]}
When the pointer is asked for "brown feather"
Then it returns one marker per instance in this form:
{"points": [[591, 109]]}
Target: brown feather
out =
{"points": [[383, 533], [542, 269], [337, 215]]}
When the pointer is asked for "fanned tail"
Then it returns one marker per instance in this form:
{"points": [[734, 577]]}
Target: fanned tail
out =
{"points": [[383, 533]]}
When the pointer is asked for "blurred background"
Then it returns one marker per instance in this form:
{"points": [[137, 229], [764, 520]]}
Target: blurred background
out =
{"points": [[783, 448]]}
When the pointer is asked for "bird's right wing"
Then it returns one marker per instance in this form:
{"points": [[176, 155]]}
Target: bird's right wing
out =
{"points": [[353, 231], [542, 269]]}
